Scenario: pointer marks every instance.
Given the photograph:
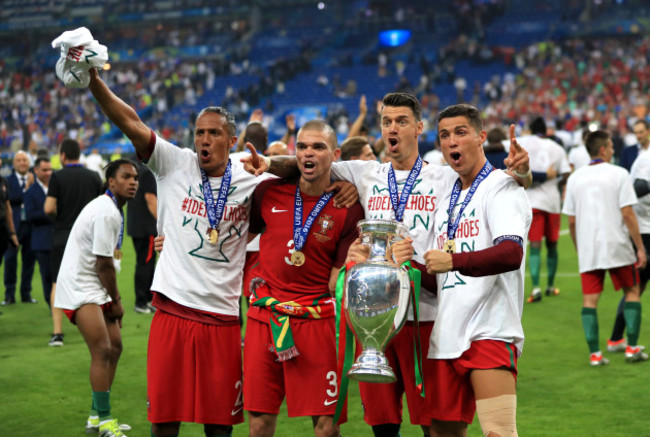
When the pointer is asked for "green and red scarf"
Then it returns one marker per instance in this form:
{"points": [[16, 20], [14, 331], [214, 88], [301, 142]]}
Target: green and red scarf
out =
{"points": [[280, 314]]}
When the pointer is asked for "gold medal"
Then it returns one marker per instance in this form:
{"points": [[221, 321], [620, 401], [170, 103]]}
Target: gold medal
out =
{"points": [[297, 258], [214, 236], [117, 254], [450, 246]]}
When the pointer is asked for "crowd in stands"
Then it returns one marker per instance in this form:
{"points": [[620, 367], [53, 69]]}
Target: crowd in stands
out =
{"points": [[569, 82]]}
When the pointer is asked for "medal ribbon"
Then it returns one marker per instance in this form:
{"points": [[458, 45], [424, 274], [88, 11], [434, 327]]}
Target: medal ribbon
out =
{"points": [[121, 237], [215, 209], [452, 227], [344, 343], [300, 232], [399, 202], [416, 279], [595, 161]]}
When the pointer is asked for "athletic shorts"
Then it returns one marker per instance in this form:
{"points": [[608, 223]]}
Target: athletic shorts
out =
{"points": [[250, 271], [544, 225], [449, 393], [622, 277], [193, 372], [309, 380], [382, 403], [72, 314]]}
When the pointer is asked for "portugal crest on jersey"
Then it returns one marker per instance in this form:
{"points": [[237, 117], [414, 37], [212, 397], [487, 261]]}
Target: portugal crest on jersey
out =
{"points": [[325, 223]]}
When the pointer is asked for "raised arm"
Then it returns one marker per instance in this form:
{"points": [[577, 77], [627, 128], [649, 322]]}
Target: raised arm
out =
{"points": [[355, 129], [123, 115]]}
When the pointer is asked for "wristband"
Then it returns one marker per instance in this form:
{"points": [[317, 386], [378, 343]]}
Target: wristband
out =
{"points": [[522, 175]]}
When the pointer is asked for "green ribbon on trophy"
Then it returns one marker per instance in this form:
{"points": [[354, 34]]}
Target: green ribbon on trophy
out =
{"points": [[345, 338]]}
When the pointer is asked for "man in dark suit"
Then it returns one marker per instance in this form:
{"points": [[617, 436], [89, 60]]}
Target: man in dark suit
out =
{"points": [[41, 223], [642, 132], [19, 181]]}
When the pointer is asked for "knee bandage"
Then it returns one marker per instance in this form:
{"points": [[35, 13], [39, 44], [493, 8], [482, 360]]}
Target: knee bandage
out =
{"points": [[498, 416]]}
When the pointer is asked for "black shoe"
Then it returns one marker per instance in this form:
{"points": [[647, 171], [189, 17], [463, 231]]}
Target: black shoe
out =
{"points": [[30, 300], [56, 340], [7, 302]]}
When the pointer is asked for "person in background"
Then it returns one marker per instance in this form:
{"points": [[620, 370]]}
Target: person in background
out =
{"points": [[41, 241], [88, 292], [141, 226], [629, 154], [276, 148], [599, 203], [550, 168], [357, 148], [69, 191], [19, 182], [7, 231]]}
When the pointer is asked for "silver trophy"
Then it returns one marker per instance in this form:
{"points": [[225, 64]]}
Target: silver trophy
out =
{"points": [[376, 300]]}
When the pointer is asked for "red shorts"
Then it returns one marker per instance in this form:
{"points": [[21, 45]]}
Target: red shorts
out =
{"points": [[72, 314], [193, 372], [544, 225], [622, 277], [449, 393], [250, 271], [382, 403], [309, 381]]}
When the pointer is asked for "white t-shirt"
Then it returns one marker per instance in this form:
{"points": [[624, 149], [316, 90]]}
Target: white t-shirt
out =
{"points": [[434, 156], [486, 307], [641, 170], [95, 233], [433, 182], [192, 271], [595, 195], [544, 153], [579, 157]]}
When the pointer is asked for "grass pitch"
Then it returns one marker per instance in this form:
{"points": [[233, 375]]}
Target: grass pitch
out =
{"points": [[45, 390]]}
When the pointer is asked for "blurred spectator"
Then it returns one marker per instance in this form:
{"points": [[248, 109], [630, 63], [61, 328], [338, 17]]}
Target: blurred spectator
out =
{"points": [[19, 182], [357, 148], [41, 224], [69, 190], [141, 226]]}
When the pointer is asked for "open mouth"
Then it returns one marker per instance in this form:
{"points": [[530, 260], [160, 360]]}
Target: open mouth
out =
{"points": [[308, 165], [392, 143], [455, 158]]}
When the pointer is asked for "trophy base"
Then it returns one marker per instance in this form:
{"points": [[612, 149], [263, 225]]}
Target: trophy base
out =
{"points": [[372, 366]]}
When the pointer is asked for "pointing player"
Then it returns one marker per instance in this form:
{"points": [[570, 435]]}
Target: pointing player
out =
{"points": [[480, 239], [599, 201], [87, 287]]}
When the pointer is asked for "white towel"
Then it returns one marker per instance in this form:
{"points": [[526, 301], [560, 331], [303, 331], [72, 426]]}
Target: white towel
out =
{"points": [[79, 53]]}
